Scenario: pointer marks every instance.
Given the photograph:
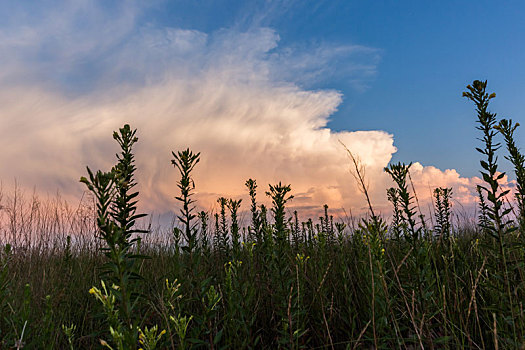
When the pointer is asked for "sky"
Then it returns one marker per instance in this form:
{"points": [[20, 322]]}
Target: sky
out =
{"points": [[263, 89]]}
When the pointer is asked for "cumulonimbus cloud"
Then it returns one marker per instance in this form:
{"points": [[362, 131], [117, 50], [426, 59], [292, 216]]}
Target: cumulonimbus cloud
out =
{"points": [[231, 95]]}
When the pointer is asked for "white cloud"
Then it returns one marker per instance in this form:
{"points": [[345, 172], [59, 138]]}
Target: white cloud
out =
{"points": [[231, 95]]}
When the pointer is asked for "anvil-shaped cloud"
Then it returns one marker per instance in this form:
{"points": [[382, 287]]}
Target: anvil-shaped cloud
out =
{"points": [[75, 74]]}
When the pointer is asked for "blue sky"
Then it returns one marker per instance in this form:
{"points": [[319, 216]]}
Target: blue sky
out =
{"points": [[428, 52], [263, 89]]}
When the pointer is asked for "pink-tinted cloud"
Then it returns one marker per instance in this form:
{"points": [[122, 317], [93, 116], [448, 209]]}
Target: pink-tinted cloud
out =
{"points": [[224, 94]]}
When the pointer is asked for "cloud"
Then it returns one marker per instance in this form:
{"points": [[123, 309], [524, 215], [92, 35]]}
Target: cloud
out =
{"points": [[235, 96], [61, 44], [426, 178]]}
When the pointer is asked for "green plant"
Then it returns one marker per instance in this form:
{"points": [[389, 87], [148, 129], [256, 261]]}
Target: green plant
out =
{"points": [[290, 285], [116, 217], [172, 313], [121, 334], [46, 340], [500, 226], [5, 257], [237, 320], [69, 332], [211, 302], [150, 337], [181, 324]]}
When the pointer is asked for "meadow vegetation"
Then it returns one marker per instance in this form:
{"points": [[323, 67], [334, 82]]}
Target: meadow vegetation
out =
{"points": [[98, 276]]}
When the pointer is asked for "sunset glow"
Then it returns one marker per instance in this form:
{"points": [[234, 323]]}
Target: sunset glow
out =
{"points": [[262, 174], [251, 104]]}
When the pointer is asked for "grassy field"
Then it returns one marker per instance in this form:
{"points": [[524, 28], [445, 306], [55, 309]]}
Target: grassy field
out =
{"points": [[91, 277]]}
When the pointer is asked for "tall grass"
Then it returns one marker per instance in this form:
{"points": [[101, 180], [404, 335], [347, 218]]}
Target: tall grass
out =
{"points": [[91, 276]]}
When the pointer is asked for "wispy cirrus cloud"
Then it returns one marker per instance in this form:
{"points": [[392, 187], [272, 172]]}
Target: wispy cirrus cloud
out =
{"points": [[80, 70]]}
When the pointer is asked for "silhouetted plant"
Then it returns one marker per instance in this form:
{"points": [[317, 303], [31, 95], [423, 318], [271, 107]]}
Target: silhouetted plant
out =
{"points": [[255, 229], [340, 230], [310, 230], [124, 213], [101, 184], [422, 278], [359, 291], [399, 173], [358, 172], [263, 220], [279, 196], [496, 212], [372, 231], [487, 121], [296, 237], [327, 225], [223, 225], [116, 218], [442, 211], [483, 218], [186, 161], [125, 202], [217, 232], [421, 216], [203, 218], [233, 206], [507, 128], [398, 219]]}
